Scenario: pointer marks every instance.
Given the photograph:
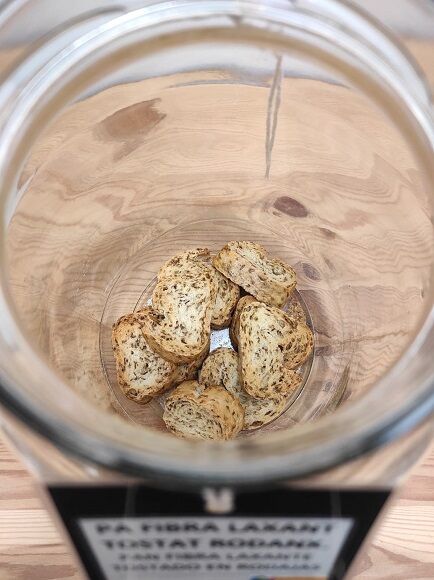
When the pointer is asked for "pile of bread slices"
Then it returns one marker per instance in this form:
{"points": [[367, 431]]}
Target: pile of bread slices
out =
{"points": [[166, 346]]}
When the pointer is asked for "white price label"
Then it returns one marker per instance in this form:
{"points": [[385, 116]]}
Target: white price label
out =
{"points": [[226, 548]]}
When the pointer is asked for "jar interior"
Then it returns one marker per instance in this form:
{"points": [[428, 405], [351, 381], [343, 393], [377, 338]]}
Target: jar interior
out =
{"points": [[199, 141]]}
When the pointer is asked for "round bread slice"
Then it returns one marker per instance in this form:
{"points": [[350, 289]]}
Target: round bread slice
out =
{"points": [[195, 412], [221, 367], [247, 264], [264, 335], [194, 262], [235, 324], [299, 347], [179, 324], [141, 372]]}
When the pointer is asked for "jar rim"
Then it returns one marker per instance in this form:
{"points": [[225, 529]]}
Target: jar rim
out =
{"points": [[365, 424]]}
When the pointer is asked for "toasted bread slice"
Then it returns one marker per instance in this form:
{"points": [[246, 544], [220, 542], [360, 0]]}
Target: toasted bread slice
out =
{"points": [[195, 412], [299, 347], [141, 372], [235, 324], [301, 343], [221, 368], [247, 264], [265, 334], [194, 262], [178, 325]]}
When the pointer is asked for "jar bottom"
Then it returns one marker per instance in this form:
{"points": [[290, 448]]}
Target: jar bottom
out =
{"points": [[132, 288]]}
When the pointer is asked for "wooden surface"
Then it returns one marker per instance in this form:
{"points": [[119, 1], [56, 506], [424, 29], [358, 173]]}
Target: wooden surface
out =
{"points": [[32, 549]]}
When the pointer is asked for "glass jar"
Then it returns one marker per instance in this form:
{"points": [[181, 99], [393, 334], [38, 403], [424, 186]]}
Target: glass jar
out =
{"points": [[132, 130]]}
